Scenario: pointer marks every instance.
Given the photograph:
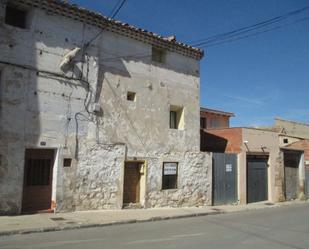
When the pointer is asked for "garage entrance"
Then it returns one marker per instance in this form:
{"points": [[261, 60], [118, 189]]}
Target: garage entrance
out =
{"points": [[132, 183], [38, 175], [257, 186], [224, 178], [291, 174]]}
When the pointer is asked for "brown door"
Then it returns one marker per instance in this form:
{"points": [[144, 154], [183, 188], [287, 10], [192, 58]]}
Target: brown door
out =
{"points": [[131, 190], [38, 177]]}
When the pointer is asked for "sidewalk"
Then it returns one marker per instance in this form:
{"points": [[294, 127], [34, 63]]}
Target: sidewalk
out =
{"points": [[24, 224]]}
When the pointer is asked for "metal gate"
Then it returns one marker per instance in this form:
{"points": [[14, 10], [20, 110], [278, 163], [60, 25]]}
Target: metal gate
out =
{"points": [[224, 178], [291, 163], [257, 187]]}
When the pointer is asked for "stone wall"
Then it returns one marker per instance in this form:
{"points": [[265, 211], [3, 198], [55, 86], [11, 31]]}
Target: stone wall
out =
{"points": [[194, 181]]}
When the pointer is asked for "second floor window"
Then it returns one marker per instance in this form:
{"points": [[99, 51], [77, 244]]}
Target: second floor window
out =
{"points": [[158, 55], [176, 117], [215, 123], [15, 16]]}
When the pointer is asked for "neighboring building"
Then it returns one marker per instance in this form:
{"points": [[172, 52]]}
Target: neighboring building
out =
{"points": [[292, 128], [214, 118], [295, 135], [96, 125], [266, 170]]}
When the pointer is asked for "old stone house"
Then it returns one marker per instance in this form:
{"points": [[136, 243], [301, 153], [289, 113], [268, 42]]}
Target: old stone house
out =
{"points": [[95, 113]]}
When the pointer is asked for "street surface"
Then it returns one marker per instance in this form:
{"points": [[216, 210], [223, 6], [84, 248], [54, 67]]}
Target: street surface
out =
{"points": [[278, 228]]}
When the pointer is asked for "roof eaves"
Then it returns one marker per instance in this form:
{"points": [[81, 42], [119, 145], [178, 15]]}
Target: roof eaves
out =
{"points": [[230, 114], [97, 19]]}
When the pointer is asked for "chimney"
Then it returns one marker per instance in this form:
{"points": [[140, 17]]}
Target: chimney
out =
{"points": [[171, 38]]}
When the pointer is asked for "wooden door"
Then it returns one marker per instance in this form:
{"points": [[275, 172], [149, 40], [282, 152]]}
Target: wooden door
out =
{"points": [[291, 163], [37, 192], [131, 189]]}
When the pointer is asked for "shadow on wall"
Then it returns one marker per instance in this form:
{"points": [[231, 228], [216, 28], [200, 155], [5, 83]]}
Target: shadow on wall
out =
{"points": [[212, 143], [19, 114]]}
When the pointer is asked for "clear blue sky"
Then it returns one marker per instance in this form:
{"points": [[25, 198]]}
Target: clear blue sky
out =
{"points": [[258, 78]]}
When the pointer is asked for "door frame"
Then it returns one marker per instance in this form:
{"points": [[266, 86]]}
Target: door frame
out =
{"points": [[143, 180], [265, 155], [53, 176]]}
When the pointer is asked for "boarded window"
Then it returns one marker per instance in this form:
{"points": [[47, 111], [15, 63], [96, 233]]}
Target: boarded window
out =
{"points": [[16, 17], [158, 55], [169, 175], [38, 171]]}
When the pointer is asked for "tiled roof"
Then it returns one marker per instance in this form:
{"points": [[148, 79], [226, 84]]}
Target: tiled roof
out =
{"points": [[97, 19], [229, 114]]}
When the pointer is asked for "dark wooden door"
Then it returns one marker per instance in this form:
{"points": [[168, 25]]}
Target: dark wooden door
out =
{"points": [[131, 189], [257, 186], [37, 192], [224, 178], [291, 163]]}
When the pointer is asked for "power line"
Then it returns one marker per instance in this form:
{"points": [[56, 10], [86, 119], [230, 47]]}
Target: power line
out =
{"points": [[247, 29], [118, 9], [211, 44], [115, 7], [114, 13]]}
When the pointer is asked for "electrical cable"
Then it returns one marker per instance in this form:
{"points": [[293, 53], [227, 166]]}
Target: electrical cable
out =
{"points": [[115, 7], [211, 44], [102, 30], [246, 29]]}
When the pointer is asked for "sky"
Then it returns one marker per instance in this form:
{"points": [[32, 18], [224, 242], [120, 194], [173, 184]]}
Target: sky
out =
{"points": [[258, 78]]}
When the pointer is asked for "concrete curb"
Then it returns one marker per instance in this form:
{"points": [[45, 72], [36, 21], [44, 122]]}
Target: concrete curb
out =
{"points": [[132, 221]]}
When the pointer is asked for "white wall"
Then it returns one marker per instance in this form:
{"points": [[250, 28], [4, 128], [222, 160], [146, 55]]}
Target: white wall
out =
{"points": [[41, 107]]}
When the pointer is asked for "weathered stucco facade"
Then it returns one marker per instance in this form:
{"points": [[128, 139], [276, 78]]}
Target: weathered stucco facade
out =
{"points": [[83, 113]]}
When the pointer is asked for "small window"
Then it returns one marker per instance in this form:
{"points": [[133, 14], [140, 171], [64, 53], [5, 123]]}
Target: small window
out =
{"points": [[16, 17], [285, 140], [169, 175], [131, 96], [203, 123], [67, 162], [176, 118], [158, 55], [173, 120]]}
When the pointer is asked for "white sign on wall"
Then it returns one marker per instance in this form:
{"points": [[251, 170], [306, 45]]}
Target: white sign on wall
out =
{"points": [[228, 168], [170, 169]]}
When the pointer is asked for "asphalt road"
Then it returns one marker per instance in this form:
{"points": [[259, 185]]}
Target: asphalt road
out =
{"points": [[280, 228]]}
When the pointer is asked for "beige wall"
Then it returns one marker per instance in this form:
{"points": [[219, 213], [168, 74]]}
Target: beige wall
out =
{"points": [[261, 142], [293, 128]]}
